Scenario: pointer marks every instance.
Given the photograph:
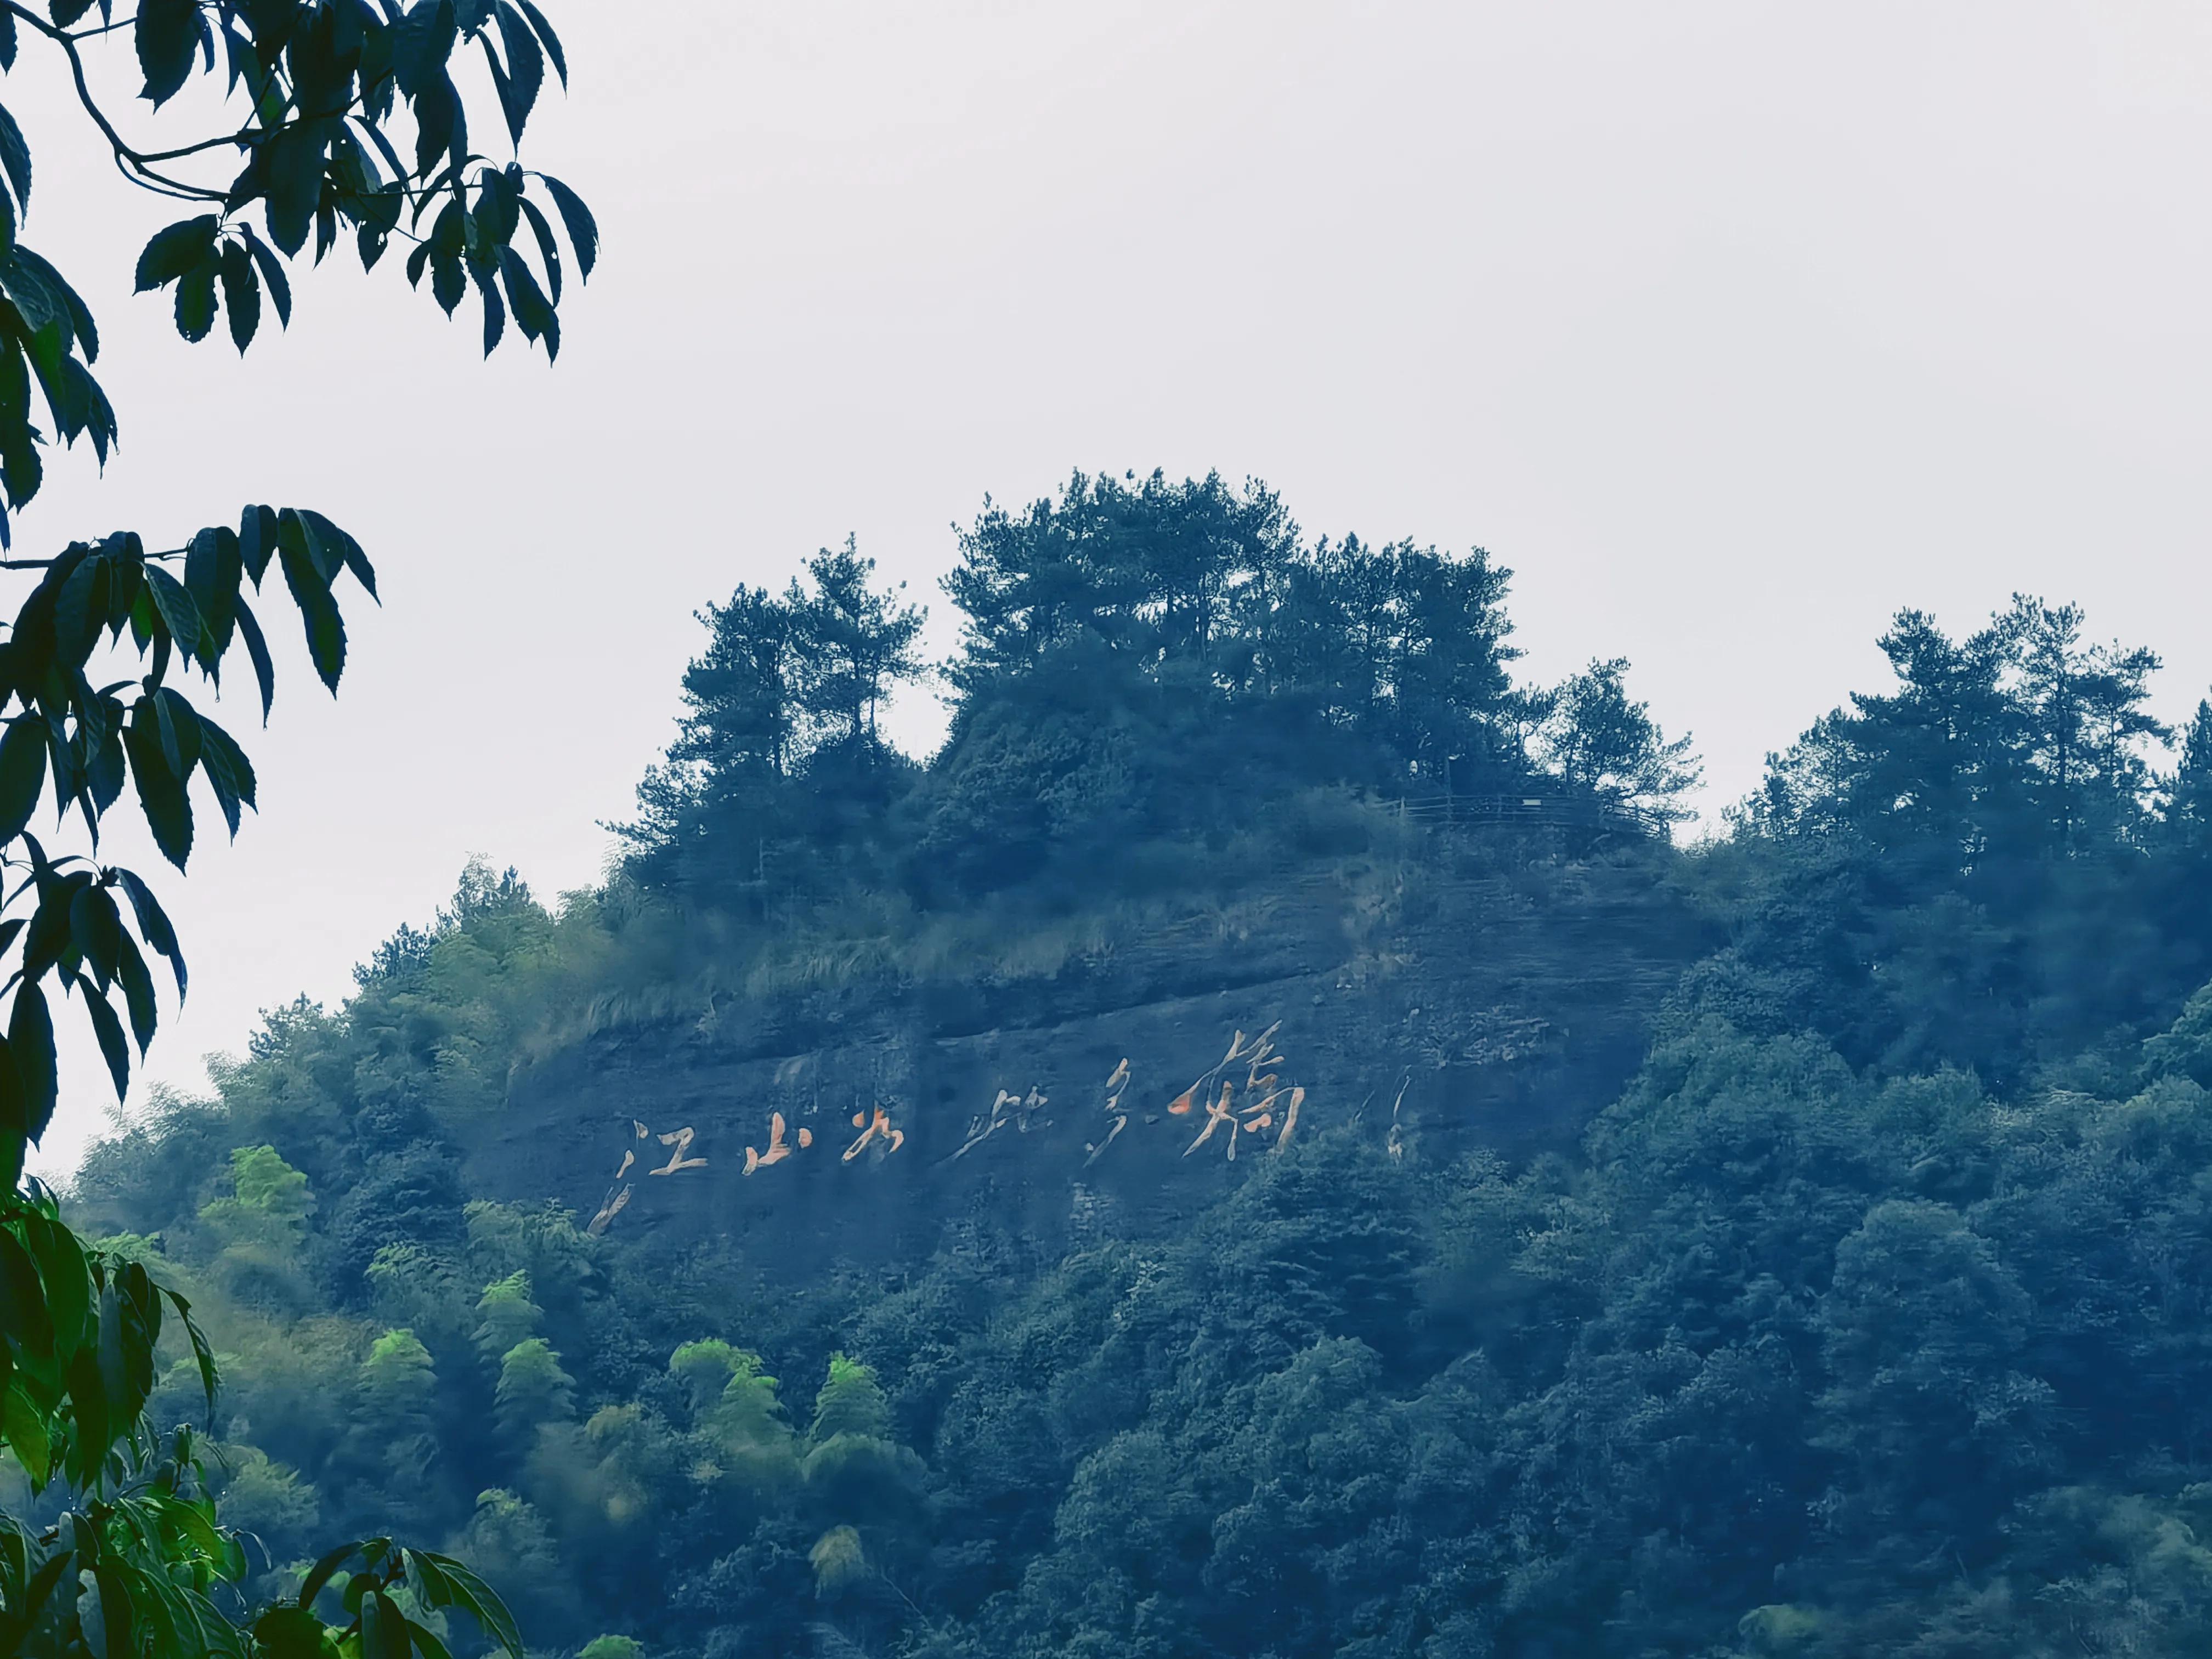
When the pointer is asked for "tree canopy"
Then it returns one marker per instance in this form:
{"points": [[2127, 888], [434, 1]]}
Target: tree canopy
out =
{"points": [[1139, 661]]}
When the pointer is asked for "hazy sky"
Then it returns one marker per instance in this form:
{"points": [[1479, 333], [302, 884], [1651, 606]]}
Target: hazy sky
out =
{"points": [[1731, 328]]}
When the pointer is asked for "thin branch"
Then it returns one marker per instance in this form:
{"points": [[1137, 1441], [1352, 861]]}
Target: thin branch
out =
{"points": [[244, 138], [126, 159]]}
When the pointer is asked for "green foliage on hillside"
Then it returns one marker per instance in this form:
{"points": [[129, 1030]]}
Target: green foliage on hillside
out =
{"points": [[1871, 1318]]}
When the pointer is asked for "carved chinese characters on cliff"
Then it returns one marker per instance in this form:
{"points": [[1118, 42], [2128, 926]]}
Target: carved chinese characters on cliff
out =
{"points": [[878, 1129], [778, 1148], [1268, 1106], [1116, 1084], [1009, 1110], [1241, 1098], [618, 1198]]}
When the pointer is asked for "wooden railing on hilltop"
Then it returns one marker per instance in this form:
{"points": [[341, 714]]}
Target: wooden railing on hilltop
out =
{"points": [[1535, 811]]}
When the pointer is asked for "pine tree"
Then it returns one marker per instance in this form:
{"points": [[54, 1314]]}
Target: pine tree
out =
{"points": [[1599, 741], [853, 647], [1449, 679], [2186, 798], [2083, 713]]}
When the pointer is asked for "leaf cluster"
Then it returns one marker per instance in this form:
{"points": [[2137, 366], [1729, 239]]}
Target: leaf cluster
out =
{"points": [[352, 121], [349, 117]]}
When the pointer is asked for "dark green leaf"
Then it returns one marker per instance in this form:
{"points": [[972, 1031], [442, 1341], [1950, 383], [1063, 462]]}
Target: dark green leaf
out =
{"points": [[127, 559], [14, 154], [103, 774], [548, 249], [167, 32], [98, 422], [228, 772], [160, 790], [462, 1589], [449, 281], [220, 751], [137, 992], [525, 68], [56, 1569], [154, 923], [177, 726], [42, 306], [109, 1030], [196, 303], [174, 601], [334, 548], [48, 934], [294, 159], [440, 127], [14, 1140], [96, 929], [552, 40], [140, 1300], [387, 215], [498, 212], [258, 649], [204, 1354], [179, 248], [25, 1426], [82, 610], [68, 1278], [31, 1041], [20, 470], [383, 1629], [533, 312], [426, 40], [272, 273], [290, 1632], [311, 591], [319, 1574], [103, 1613], [241, 294], [324, 556], [583, 229], [257, 540], [494, 310], [73, 305], [22, 772], [213, 569], [24, 1312]]}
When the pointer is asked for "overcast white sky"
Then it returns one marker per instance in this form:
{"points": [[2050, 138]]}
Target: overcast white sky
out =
{"points": [[1731, 328]]}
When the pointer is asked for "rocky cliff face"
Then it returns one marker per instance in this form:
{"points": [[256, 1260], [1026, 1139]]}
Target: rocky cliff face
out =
{"points": [[1123, 1091]]}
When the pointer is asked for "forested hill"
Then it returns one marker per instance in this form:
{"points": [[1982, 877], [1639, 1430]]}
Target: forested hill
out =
{"points": [[1262, 1146]]}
